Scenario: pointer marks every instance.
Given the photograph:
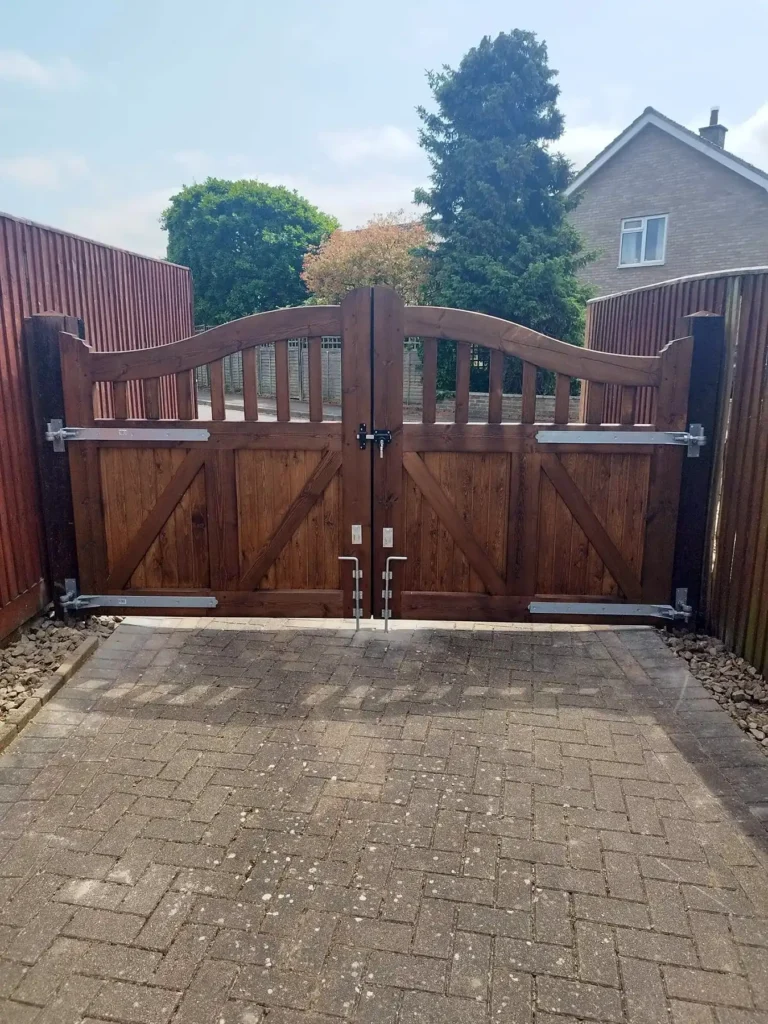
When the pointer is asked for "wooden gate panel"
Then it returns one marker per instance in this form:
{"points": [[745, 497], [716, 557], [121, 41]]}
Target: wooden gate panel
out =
{"points": [[272, 493], [570, 521], [253, 515]]}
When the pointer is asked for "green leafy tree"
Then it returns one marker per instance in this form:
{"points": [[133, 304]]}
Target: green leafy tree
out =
{"points": [[245, 243], [496, 200]]}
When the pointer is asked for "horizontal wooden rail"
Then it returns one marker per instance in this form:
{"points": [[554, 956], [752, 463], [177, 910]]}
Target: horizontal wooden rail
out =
{"points": [[515, 340], [225, 340]]}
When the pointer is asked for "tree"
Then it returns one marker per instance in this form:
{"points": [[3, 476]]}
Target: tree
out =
{"points": [[496, 199], [244, 242], [388, 250]]}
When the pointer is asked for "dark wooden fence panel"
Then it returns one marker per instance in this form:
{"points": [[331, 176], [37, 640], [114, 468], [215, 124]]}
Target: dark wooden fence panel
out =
{"points": [[126, 301], [735, 593]]}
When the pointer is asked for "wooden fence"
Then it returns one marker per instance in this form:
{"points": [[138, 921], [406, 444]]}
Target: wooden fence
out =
{"points": [[735, 583], [126, 302]]}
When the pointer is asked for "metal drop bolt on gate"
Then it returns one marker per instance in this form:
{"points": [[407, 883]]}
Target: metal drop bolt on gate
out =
{"points": [[379, 437], [387, 591], [357, 575]]}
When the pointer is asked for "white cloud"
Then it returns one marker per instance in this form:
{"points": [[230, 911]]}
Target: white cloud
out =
{"points": [[749, 139], [583, 142], [385, 143], [130, 223], [43, 172], [59, 73]]}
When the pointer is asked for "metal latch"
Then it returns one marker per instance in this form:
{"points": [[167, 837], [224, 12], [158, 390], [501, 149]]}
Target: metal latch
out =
{"points": [[59, 434], [379, 437], [71, 601], [693, 438], [357, 594], [386, 614]]}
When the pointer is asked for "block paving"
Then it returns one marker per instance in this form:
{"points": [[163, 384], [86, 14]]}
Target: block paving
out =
{"points": [[286, 822]]}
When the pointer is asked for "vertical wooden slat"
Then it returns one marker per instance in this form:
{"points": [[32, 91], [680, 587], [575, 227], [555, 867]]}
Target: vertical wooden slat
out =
{"points": [[429, 381], [562, 398], [595, 403], [628, 405], [315, 360], [120, 399], [84, 468], [152, 398], [664, 490], [463, 355], [495, 386], [218, 402], [250, 384], [528, 413], [221, 517], [356, 462], [282, 382], [388, 341], [185, 400]]}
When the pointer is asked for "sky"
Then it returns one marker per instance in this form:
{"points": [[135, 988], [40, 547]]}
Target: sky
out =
{"points": [[108, 107]]}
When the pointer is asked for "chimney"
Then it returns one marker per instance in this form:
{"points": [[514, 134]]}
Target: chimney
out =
{"points": [[714, 132]]}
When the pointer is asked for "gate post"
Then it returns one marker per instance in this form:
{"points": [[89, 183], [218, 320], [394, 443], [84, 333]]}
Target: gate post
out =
{"points": [[40, 336], [693, 521]]}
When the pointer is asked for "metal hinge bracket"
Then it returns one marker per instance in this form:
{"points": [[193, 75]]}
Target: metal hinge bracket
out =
{"points": [[74, 602], [59, 434], [607, 610], [693, 438]]}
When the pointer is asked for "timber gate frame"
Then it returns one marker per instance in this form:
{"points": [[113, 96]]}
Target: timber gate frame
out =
{"points": [[496, 520]]}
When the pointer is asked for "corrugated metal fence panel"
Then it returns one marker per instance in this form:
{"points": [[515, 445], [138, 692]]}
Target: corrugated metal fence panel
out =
{"points": [[126, 301], [640, 323]]}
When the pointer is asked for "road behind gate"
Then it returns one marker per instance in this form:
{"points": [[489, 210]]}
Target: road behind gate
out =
{"points": [[219, 822]]}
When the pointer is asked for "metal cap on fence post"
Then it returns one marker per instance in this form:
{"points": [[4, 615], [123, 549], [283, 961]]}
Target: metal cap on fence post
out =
{"points": [[41, 345], [689, 571]]}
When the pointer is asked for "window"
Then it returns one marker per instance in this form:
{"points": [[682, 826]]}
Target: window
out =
{"points": [[643, 241]]}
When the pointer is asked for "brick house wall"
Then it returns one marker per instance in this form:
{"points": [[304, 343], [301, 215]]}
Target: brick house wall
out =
{"points": [[717, 219]]}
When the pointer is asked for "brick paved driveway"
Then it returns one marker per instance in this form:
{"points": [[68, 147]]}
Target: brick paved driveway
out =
{"points": [[223, 823]]}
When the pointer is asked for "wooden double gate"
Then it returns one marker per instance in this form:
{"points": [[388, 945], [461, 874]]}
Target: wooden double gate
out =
{"points": [[488, 516]]}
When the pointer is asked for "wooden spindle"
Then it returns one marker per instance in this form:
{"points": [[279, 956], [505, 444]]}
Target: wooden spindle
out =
{"points": [[315, 361], [463, 353], [595, 403], [528, 411], [218, 403], [152, 398], [495, 386], [628, 407], [120, 399], [429, 381], [185, 394], [562, 398], [282, 382], [250, 385]]}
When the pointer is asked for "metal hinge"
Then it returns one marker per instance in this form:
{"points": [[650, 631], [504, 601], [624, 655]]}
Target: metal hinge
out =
{"points": [[74, 602], [625, 611], [693, 438], [59, 434]]}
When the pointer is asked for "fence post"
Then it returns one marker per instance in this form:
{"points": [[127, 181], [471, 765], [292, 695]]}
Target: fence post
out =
{"points": [[40, 336], [689, 570]]}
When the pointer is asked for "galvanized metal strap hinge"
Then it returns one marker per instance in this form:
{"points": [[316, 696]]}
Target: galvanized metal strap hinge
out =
{"points": [[597, 609], [693, 438], [74, 602], [59, 434]]}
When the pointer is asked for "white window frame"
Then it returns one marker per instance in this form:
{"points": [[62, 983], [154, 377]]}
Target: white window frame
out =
{"points": [[643, 229]]}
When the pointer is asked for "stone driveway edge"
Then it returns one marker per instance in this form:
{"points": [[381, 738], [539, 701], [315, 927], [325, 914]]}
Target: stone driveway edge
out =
{"points": [[17, 719]]}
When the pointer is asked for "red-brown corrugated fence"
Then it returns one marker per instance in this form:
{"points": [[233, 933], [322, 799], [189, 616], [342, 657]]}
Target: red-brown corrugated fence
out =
{"points": [[640, 322], [126, 301]]}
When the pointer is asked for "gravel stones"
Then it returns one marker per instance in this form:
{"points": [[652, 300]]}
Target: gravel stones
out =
{"points": [[37, 651], [733, 682]]}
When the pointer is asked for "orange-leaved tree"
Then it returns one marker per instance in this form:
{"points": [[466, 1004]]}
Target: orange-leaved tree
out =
{"points": [[388, 250]]}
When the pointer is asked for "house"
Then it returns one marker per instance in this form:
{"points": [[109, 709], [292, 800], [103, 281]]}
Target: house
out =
{"points": [[661, 202]]}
